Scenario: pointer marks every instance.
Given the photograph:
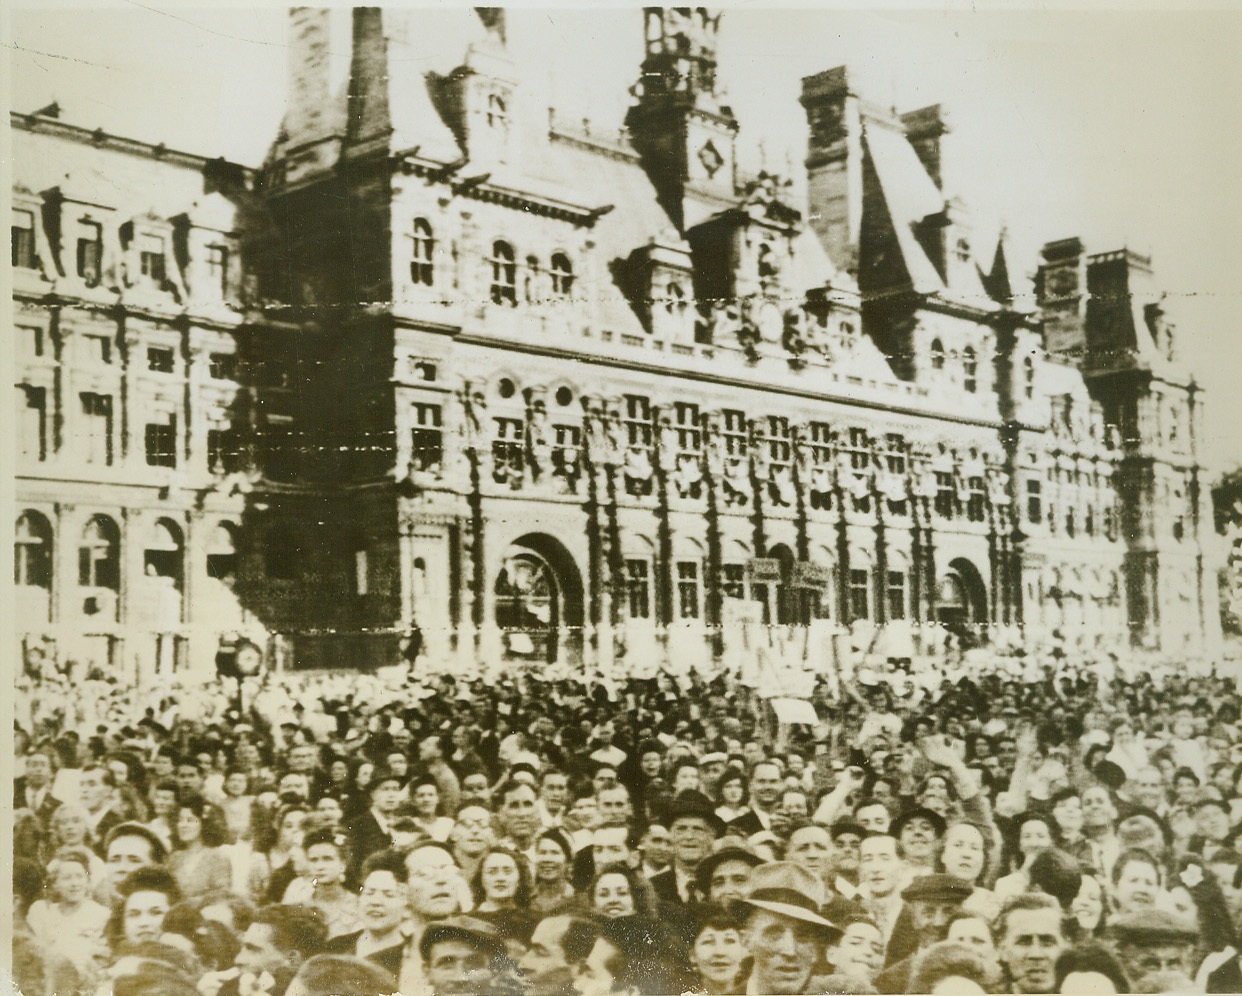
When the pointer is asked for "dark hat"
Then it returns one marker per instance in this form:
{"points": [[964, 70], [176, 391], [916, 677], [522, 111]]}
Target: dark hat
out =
{"points": [[703, 874], [848, 826], [1109, 774], [472, 930], [936, 820], [1154, 926], [159, 850], [788, 889], [381, 775], [942, 888], [691, 804]]}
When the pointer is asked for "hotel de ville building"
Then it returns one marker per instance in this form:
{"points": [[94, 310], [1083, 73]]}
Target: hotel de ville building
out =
{"points": [[446, 374]]}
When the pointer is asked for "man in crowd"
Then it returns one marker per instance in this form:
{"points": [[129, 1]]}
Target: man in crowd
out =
{"points": [[693, 825], [1030, 938], [766, 785], [372, 830], [785, 934], [881, 879], [462, 955], [33, 790], [436, 890], [545, 966], [1156, 947], [930, 902]]}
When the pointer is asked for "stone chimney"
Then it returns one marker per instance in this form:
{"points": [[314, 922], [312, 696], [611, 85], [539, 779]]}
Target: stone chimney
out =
{"points": [[834, 164], [1061, 292], [309, 114]]}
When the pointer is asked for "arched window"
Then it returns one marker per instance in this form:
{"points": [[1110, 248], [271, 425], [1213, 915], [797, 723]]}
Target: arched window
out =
{"points": [[222, 552], [504, 274], [562, 275], [163, 556], [32, 551], [1028, 377], [970, 367], [937, 355], [422, 267], [99, 556]]}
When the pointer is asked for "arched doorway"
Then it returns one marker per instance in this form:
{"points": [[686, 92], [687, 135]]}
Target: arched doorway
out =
{"points": [[961, 601], [538, 600]]}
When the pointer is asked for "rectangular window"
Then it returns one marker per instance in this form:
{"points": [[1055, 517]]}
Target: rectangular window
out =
{"points": [[223, 451], [161, 443], [96, 435], [945, 500], [637, 421], [1034, 502], [821, 443], [859, 448], [426, 437], [32, 421], [29, 341], [508, 448], [23, 240], [218, 267], [895, 454], [688, 589], [566, 451], [161, 359], [896, 595], [735, 433], [151, 258], [98, 349], [976, 503], [689, 433], [733, 581], [780, 441], [860, 594], [90, 252], [422, 269], [638, 588], [222, 366]]}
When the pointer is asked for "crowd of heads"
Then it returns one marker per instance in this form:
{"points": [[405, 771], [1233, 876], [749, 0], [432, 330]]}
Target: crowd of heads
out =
{"points": [[1066, 831]]}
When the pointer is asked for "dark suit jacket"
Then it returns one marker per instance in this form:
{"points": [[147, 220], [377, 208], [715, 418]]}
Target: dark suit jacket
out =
{"points": [[365, 838], [389, 959], [46, 808], [746, 824], [664, 885]]}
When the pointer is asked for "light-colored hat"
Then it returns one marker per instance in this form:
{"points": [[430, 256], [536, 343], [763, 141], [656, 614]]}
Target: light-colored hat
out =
{"points": [[788, 889]]}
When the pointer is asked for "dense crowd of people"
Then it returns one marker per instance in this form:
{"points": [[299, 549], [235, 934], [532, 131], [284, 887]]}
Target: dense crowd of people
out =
{"points": [[987, 826]]}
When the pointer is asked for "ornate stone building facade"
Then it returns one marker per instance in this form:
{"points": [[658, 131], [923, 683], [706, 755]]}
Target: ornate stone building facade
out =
{"points": [[444, 365]]}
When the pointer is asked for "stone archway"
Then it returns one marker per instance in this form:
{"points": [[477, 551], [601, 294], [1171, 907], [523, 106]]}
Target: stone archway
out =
{"points": [[538, 600], [961, 601]]}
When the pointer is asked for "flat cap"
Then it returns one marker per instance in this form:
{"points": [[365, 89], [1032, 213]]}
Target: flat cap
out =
{"points": [[941, 888], [1154, 926]]}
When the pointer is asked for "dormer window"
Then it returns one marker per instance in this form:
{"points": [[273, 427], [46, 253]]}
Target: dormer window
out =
{"points": [[497, 111], [23, 240], [90, 252], [504, 274], [962, 251], [151, 258], [422, 268], [970, 367], [937, 355], [562, 275]]}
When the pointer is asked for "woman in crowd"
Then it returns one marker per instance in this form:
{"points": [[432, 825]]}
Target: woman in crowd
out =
{"points": [[144, 898], [164, 797], [1089, 911], [237, 804], [502, 882], [323, 884], [717, 954], [70, 828], [553, 861], [732, 794], [69, 920], [1136, 882], [966, 852], [285, 857], [197, 861], [618, 890], [382, 906], [1030, 834], [425, 794]]}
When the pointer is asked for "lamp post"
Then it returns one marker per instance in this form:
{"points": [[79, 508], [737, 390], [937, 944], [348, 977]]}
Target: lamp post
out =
{"points": [[247, 662]]}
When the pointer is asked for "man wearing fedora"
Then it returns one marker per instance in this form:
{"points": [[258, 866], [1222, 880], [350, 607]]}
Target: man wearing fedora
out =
{"points": [[462, 954], [692, 827], [784, 932]]}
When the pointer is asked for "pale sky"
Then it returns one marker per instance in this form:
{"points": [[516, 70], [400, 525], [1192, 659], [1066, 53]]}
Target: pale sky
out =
{"points": [[1121, 124]]}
